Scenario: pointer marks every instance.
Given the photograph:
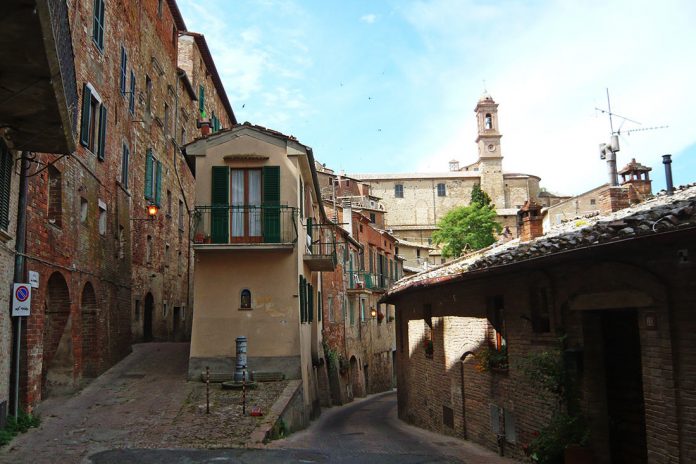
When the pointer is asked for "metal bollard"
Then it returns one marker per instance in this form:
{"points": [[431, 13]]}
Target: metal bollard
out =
{"points": [[241, 362]]}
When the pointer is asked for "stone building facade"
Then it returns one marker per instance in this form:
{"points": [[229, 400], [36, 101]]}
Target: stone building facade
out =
{"points": [[609, 299], [109, 274], [415, 202]]}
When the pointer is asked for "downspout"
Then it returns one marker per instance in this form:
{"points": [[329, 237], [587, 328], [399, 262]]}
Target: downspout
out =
{"points": [[19, 273]]}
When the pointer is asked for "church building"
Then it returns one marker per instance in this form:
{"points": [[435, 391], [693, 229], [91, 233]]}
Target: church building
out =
{"points": [[415, 202]]}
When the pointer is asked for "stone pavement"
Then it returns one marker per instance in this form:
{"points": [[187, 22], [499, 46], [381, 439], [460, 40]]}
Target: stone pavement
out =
{"points": [[142, 402]]}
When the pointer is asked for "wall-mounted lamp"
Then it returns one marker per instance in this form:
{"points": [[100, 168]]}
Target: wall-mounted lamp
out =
{"points": [[373, 313], [152, 210]]}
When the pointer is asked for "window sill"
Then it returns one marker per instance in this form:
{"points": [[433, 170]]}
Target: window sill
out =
{"points": [[245, 309], [4, 236]]}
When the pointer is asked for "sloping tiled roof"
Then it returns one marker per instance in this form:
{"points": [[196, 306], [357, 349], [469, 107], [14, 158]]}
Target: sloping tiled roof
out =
{"points": [[660, 214]]}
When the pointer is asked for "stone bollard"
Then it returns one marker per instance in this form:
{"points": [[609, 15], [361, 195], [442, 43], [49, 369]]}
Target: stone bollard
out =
{"points": [[241, 364]]}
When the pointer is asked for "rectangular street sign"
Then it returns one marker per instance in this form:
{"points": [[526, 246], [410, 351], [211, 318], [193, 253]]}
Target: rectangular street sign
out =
{"points": [[21, 300]]}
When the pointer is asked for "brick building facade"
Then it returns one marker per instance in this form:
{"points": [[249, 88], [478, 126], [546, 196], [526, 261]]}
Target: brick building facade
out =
{"points": [[110, 275], [610, 299]]}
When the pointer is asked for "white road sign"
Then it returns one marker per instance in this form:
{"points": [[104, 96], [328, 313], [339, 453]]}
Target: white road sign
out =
{"points": [[34, 279], [21, 300]]}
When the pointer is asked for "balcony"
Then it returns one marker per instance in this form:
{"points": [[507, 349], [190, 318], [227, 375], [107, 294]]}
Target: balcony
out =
{"points": [[244, 227], [320, 249], [37, 76], [366, 282]]}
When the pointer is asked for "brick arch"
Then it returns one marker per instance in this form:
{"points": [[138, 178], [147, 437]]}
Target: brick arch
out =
{"points": [[58, 354], [90, 332]]}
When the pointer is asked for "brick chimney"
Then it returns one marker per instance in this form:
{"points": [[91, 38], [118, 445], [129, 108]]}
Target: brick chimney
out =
{"points": [[613, 199], [531, 221], [637, 178]]}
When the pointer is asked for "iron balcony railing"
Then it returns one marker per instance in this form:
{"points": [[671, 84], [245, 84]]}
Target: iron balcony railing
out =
{"points": [[321, 241], [245, 224], [367, 280]]}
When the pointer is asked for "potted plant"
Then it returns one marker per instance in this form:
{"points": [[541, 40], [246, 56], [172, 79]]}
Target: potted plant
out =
{"points": [[492, 359]]}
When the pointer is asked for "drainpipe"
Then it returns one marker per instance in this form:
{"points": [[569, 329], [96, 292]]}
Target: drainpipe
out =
{"points": [[19, 272], [667, 161]]}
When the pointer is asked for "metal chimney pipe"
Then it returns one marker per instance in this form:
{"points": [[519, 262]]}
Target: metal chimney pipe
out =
{"points": [[667, 161]]}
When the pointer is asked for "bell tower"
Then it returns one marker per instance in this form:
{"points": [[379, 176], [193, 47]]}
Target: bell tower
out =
{"points": [[488, 139], [490, 161]]}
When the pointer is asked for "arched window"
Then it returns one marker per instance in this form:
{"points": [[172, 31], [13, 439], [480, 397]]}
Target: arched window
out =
{"points": [[245, 299], [488, 122]]}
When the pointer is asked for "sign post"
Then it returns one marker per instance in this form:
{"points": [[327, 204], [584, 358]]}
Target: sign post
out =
{"points": [[21, 307]]}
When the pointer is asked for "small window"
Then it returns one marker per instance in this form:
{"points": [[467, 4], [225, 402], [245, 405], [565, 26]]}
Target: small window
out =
{"points": [[124, 67], [183, 312], [488, 121], [55, 196], [93, 122], [362, 310], [124, 166], [245, 299], [121, 242], [373, 218], [164, 309], [148, 249], [131, 95], [98, 24], [148, 95], [593, 201], [441, 191], [159, 7], [102, 218], [84, 205], [399, 191]]}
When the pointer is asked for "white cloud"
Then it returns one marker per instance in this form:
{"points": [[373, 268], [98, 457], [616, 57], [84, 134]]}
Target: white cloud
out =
{"points": [[369, 18]]}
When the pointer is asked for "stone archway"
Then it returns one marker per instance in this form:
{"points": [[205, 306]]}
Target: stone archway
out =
{"points": [[90, 332], [355, 386], [148, 314], [58, 355]]}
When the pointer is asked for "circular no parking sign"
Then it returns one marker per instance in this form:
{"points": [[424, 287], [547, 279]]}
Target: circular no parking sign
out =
{"points": [[22, 293]]}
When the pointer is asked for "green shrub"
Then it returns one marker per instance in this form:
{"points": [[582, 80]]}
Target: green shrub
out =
{"points": [[17, 425]]}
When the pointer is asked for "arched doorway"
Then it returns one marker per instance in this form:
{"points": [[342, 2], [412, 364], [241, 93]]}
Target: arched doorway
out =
{"points": [[355, 377], [147, 317], [58, 357], [90, 337]]}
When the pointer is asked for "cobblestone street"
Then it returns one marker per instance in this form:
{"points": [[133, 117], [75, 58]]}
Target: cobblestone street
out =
{"points": [[142, 402]]}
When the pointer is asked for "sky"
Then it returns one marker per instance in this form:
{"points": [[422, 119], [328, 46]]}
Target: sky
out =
{"points": [[391, 85]]}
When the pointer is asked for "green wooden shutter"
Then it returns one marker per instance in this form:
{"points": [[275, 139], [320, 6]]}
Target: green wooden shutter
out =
{"points": [[6, 164], [310, 302], [84, 122], [302, 299], [148, 174], [320, 306], [201, 100], [220, 201], [271, 204], [158, 184], [102, 133]]}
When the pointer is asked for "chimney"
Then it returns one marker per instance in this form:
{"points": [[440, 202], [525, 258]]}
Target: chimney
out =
{"points": [[613, 199], [348, 217], [636, 178], [667, 161], [454, 165], [531, 221]]}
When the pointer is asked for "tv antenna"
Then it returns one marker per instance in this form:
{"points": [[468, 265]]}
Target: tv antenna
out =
{"points": [[607, 151]]}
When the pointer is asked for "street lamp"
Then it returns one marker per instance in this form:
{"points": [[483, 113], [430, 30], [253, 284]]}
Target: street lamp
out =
{"points": [[373, 313], [152, 210]]}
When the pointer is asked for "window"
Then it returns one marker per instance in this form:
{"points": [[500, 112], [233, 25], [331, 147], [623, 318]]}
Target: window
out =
{"points": [[496, 319], [124, 166], [131, 95], [441, 192], [245, 299], [216, 123], [593, 201], [55, 196], [102, 218], [93, 122], [6, 166], [83, 210], [373, 218], [124, 67], [181, 215], [488, 123], [148, 249], [98, 24], [153, 178], [159, 8], [164, 309], [201, 101], [166, 119], [148, 96], [329, 308], [121, 242], [362, 310], [399, 191]]}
